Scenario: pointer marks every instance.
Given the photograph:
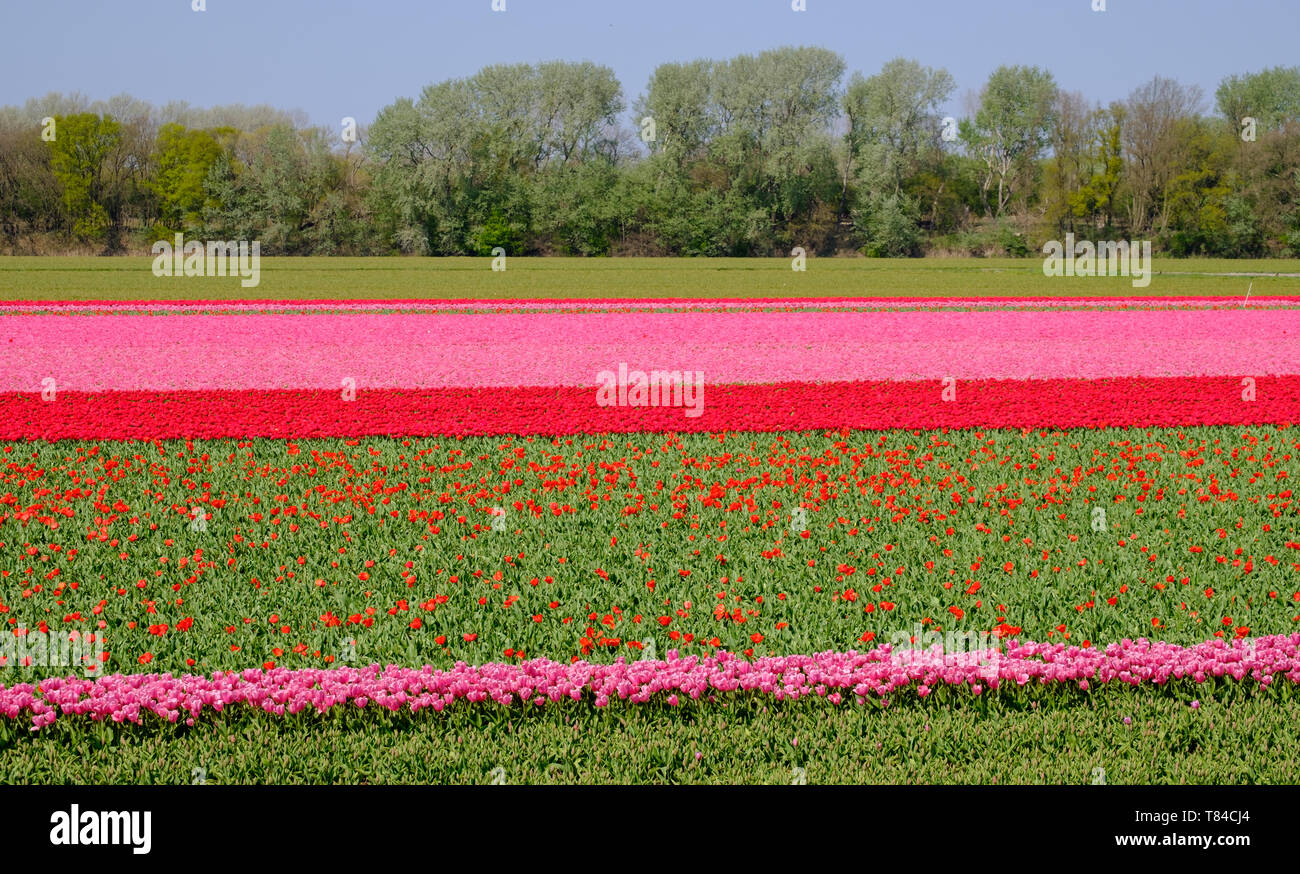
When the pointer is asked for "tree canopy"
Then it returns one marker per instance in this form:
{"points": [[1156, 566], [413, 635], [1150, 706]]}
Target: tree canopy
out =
{"points": [[749, 155]]}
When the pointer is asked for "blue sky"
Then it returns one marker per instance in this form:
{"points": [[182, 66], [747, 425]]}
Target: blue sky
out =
{"points": [[335, 58]]}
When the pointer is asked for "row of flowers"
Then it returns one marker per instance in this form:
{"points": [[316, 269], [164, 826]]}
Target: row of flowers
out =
{"points": [[422, 351], [205, 555], [877, 404], [834, 676]]}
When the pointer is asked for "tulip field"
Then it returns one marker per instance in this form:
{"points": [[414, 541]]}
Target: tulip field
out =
{"points": [[890, 537]]}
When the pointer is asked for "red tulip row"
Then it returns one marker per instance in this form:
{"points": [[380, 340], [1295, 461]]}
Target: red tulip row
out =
{"points": [[868, 404]]}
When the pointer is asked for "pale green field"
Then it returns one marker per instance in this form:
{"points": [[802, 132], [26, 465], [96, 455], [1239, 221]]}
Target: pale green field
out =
{"points": [[74, 278], [1238, 736]]}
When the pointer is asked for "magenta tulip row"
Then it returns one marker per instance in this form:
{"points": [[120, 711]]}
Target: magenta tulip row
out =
{"points": [[836, 676]]}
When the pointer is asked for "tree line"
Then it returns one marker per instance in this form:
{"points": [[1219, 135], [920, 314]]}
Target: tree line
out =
{"points": [[752, 155]]}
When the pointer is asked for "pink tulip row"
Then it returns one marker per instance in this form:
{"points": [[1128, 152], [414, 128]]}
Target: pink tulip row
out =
{"points": [[834, 675], [422, 350]]}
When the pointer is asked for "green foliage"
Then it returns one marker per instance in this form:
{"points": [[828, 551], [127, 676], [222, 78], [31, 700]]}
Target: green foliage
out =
{"points": [[745, 156], [459, 170], [894, 119], [1094, 201], [183, 160], [1207, 214], [1013, 242], [1010, 130], [29, 191], [580, 209], [79, 159], [497, 232], [1270, 96], [286, 188], [889, 226]]}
